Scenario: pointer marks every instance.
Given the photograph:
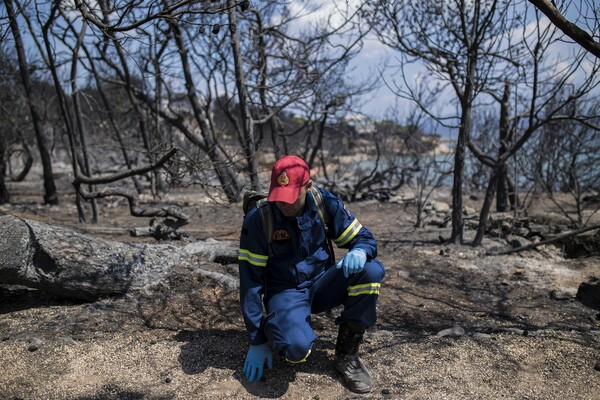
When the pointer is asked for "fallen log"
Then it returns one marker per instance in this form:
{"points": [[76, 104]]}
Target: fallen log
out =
{"points": [[69, 264], [547, 241]]}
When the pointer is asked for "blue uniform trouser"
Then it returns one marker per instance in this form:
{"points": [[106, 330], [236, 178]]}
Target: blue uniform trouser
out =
{"points": [[287, 325]]}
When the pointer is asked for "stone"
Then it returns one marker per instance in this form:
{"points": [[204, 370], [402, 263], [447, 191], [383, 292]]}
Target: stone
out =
{"points": [[588, 293], [517, 241], [440, 206], [454, 331], [404, 274], [560, 295], [469, 211], [479, 335]]}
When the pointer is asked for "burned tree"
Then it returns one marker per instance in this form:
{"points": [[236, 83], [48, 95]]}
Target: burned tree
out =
{"points": [[462, 44], [50, 194]]}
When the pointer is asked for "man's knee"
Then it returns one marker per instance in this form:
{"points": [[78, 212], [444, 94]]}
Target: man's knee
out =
{"points": [[298, 351], [291, 338], [374, 271]]}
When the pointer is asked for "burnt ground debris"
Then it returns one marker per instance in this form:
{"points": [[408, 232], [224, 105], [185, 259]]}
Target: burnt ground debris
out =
{"points": [[184, 337]]}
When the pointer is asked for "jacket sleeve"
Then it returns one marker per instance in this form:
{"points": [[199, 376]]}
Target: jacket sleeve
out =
{"points": [[345, 229], [252, 261]]}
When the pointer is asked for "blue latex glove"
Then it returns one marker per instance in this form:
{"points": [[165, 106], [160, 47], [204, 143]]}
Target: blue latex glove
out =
{"points": [[353, 262], [255, 361]]}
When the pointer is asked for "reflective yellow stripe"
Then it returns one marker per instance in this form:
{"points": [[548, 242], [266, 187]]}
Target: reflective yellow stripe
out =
{"points": [[255, 259], [365, 288], [349, 233], [301, 361], [364, 292]]}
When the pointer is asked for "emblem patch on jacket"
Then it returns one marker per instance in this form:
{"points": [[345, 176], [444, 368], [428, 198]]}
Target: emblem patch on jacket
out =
{"points": [[281, 234]]}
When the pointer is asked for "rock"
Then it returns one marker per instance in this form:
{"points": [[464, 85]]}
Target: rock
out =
{"points": [[224, 251], [440, 206], [454, 331], [588, 293], [437, 220], [403, 274], [479, 335], [515, 331], [597, 366], [517, 241], [34, 341], [581, 246], [523, 232], [469, 211], [560, 295]]}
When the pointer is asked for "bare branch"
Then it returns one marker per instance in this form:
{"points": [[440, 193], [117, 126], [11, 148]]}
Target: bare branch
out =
{"points": [[570, 29], [126, 174]]}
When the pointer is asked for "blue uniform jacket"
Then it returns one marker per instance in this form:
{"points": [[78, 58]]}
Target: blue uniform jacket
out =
{"points": [[299, 253]]}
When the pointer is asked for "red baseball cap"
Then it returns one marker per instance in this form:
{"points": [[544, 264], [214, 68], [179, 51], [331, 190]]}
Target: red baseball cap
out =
{"points": [[288, 176]]}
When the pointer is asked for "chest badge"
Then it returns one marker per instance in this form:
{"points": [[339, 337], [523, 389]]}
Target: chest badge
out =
{"points": [[281, 234]]}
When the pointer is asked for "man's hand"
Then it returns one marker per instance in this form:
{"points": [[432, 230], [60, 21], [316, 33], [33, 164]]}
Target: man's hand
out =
{"points": [[353, 262], [255, 361]]}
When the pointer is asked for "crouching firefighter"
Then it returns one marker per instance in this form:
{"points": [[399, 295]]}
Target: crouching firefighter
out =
{"points": [[287, 266]]}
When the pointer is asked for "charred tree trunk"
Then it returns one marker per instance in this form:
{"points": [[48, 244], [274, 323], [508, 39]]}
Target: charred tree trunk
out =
{"points": [[79, 117], [320, 133], [50, 195], [464, 133], [68, 264], [487, 205], [502, 194], [240, 82], [208, 142], [27, 163], [4, 196], [459, 166], [62, 99]]}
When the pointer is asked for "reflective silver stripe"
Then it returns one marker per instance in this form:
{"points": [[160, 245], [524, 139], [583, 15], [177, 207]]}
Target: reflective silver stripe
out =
{"points": [[255, 259], [349, 233], [365, 288]]}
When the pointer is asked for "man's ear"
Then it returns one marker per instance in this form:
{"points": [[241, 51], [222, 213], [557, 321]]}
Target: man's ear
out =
{"points": [[309, 184]]}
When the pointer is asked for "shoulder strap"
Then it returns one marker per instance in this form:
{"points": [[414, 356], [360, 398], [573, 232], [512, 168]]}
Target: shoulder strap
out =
{"points": [[318, 198], [266, 217], [324, 215]]}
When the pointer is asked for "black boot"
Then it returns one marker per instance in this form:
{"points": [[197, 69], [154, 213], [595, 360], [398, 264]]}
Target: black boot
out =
{"points": [[346, 360]]}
